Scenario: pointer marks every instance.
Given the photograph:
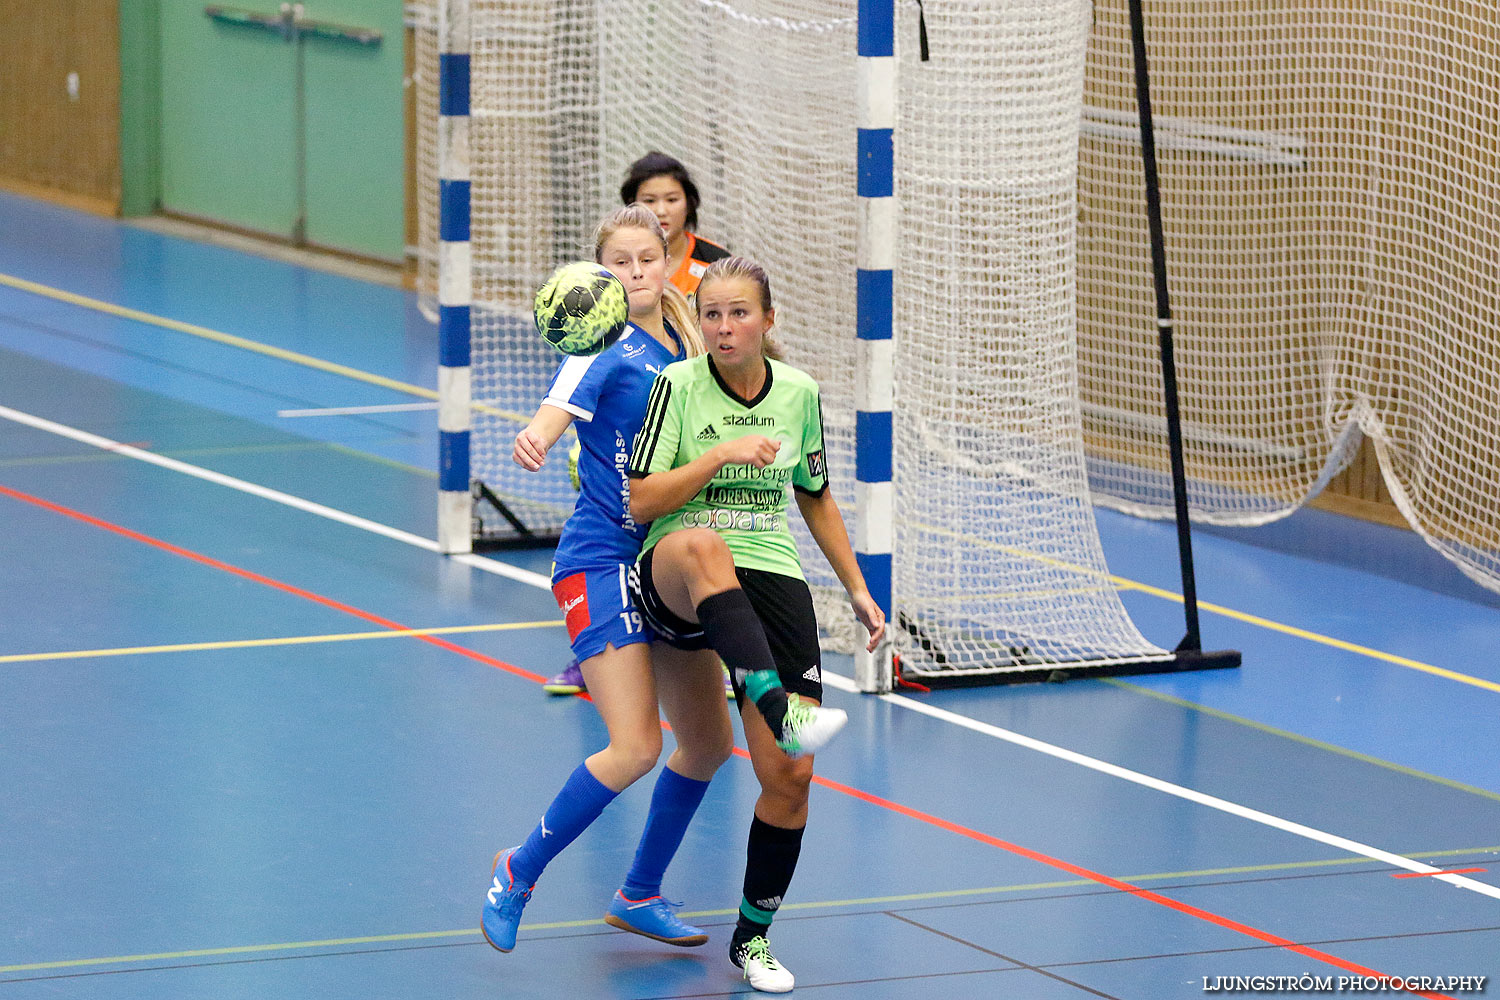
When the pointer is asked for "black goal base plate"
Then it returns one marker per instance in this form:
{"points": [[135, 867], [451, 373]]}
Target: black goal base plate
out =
{"points": [[1180, 661]]}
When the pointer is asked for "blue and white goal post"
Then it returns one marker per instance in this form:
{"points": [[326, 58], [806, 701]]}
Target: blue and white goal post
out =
{"points": [[874, 376], [455, 282]]}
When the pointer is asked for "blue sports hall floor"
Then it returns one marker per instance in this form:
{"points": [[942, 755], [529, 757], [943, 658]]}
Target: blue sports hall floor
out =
{"points": [[231, 768]]}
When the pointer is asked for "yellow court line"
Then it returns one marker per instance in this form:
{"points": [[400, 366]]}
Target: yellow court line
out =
{"points": [[1240, 720], [244, 949], [474, 932], [1292, 630], [294, 640], [181, 453], [229, 339], [1124, 584], [246, 449]]}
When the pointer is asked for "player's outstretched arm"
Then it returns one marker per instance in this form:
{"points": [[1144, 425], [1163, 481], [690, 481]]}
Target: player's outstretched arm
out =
{"points": [[826, 523], [661, 493], [533, 443]]}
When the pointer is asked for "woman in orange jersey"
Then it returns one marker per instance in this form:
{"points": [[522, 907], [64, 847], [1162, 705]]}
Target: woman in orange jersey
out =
{"points": [[662, 184]]}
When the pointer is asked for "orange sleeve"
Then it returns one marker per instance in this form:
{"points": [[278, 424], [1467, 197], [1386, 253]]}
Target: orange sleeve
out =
{"points": [[687, 276]]}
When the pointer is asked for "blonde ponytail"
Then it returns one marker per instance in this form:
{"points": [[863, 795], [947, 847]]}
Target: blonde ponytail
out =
{"points": [[675, 310]]}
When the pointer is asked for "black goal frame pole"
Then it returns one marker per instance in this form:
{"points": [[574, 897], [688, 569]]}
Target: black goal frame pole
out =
{"points": [[1192, 643]]}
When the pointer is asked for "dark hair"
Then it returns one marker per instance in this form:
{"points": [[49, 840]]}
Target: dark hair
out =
{"points": [[655, 164]]}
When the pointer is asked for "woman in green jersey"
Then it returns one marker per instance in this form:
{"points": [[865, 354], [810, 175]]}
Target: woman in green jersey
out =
{"points": [[725, 435]]}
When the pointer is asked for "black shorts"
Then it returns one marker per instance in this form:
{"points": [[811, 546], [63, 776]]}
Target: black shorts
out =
{"points": [[785, 609]]}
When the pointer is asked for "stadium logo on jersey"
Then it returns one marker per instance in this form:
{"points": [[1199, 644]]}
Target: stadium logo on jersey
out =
{"points": [[746, 420], [708, 434], [815, 463]]}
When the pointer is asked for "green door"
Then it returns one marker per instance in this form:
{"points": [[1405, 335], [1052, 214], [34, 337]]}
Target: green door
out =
{"points": [[356, 131], [286, 120]]}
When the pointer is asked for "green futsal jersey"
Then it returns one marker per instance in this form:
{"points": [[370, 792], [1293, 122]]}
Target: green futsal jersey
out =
{"points": [[691, 410]]}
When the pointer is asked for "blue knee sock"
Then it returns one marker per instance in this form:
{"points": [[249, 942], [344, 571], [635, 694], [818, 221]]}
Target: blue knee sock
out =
{"points": [[673, 803], [579, 803]]}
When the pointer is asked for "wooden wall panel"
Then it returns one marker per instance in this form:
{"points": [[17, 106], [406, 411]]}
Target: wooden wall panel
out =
{"points": [[52, 143], [1359, 491]]}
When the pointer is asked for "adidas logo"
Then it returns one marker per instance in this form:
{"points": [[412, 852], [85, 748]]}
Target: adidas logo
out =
{"points": [[708, 434], [811, 673]]}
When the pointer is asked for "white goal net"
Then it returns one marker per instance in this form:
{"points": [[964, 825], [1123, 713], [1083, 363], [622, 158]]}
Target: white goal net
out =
{"points": [[997, 555]]}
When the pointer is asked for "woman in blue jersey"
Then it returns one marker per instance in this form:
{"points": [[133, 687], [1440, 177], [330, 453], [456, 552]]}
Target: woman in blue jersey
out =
{"points": [[662, 184], [725, 435], [606, 396]]}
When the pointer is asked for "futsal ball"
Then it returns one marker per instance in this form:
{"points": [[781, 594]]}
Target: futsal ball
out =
{"points": [[574, 454], [582, 308]]}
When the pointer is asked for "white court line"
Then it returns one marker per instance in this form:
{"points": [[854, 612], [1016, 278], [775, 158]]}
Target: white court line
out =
{"points": [[266, 493], [1191, 795], [832, 679], [346, 411]]}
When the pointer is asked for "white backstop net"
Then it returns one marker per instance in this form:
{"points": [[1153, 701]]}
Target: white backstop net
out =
{"points": [[1333, 238]]}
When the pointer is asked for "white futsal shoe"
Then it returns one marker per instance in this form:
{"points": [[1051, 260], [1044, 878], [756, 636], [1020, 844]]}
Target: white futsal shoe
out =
{"points": [[761, 969], [808, 728]]}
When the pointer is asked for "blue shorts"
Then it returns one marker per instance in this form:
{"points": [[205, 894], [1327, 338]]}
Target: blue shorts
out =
{"points": [[596, 603]]}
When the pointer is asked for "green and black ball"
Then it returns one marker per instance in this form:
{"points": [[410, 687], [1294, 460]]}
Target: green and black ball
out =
{"points": [[582, 308]]}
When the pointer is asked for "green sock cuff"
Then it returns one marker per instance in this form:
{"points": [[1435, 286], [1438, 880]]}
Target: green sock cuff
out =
{"points": [[760, 682], [755, 914]]}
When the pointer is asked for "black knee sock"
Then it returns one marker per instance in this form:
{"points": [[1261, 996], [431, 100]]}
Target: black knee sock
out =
{"points": [[734, 631], [770, 860]]}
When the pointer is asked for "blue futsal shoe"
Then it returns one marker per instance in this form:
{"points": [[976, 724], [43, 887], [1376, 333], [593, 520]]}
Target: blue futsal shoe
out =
{"points": [[653, 918], [503, 906]]}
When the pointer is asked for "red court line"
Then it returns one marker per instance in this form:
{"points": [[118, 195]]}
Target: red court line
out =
{"points": [[267, 581], [1114, 883], [1449, 871], [849, 790]]}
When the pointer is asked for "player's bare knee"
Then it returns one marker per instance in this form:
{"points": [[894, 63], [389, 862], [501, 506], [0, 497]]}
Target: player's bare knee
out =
{"points": [[707, 551], [706, 759], [702, 750], [789, 782], [721, 751], [636, 757]]}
